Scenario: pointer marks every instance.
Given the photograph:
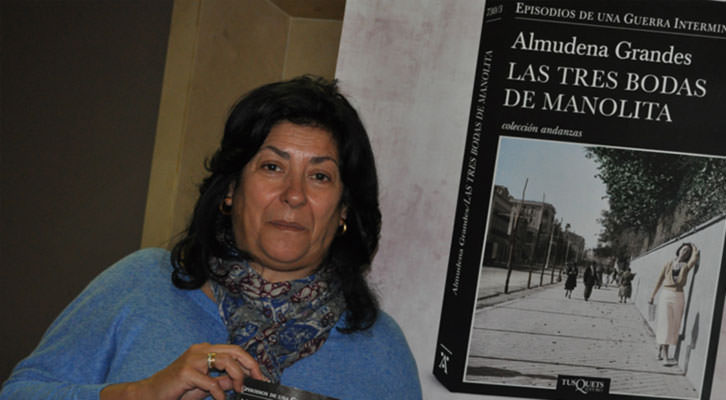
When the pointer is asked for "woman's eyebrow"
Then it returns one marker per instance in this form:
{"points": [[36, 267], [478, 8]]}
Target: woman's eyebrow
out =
{"points": [[277, 151], [321, 159], [286, 155]]}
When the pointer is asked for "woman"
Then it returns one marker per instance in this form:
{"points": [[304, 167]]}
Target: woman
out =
{"points": [[588, 279], [267, 282], [625, 286], [672, 279], [571, 281]]}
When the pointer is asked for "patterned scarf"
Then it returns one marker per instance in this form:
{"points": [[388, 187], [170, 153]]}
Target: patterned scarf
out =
{"points": [[277, 323]]}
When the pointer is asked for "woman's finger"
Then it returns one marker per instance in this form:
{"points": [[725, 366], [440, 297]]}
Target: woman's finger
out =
{"points": [[233, 369], [226, 382], [208, 384], [248, 363]]}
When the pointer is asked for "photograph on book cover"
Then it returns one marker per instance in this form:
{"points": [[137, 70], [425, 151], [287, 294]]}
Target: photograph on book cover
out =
{"points": [[549, 303], [588, 244]]}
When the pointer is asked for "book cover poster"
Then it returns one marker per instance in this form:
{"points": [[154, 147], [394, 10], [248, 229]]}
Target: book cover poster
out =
{"points": [[588, 243]]}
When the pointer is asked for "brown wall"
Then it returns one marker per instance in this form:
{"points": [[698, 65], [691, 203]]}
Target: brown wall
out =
{"points": [[80, 94], [312, 47]]}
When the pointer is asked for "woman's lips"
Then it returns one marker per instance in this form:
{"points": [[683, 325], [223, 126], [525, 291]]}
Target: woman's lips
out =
{"points": [[287, 226]]}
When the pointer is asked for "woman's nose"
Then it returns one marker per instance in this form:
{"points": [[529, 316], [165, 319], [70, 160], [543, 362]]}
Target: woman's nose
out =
{"points": [[294, 192]]}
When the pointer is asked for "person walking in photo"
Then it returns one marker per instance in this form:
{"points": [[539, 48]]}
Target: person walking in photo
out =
{"points": [[588, 278], [669, 311], [571, 281], [614, 274], [598, 276], [626, 287]]}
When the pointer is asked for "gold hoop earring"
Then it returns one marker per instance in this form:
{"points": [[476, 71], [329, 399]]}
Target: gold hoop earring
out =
{"points": [[343, 228]]}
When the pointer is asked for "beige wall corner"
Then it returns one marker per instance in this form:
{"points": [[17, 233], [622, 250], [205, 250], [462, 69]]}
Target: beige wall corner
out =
{"points": [[170, 130], [312, 47], [241, 46]]}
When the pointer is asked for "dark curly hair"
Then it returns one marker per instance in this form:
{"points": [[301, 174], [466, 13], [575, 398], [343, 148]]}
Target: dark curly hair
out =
{"points": [[686, 245], [309, 101]]}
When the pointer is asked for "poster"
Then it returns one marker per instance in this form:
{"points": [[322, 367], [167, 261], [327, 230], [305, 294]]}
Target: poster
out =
{"points": [[594, 150]]}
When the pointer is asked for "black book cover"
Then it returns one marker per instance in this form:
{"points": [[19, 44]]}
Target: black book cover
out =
{"points": [[595, 139], [259, 390]]}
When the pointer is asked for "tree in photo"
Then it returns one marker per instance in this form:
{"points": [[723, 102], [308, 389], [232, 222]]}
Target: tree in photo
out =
{"points": [[656, 196]]}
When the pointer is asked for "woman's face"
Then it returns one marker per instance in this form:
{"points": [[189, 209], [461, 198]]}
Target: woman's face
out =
{"points": [[287, 207], [684, 254]]}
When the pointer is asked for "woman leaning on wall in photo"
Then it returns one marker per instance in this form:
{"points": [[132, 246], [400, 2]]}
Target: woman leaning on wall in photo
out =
{"points": [[268, 280], [672, 279]]}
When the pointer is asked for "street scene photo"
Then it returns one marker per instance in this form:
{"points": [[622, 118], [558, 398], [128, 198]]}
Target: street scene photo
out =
{"points": [[600, 262]]}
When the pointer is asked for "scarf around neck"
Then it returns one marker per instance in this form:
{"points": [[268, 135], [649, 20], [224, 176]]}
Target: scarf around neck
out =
{"points": [[277, 323]]}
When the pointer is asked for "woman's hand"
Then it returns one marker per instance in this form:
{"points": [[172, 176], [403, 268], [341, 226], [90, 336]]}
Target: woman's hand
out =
{"points": [[188, 376], [695, 254]]}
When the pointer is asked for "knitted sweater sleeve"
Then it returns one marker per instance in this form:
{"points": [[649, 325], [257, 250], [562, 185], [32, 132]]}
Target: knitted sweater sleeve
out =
{"points": [[73, 357]]}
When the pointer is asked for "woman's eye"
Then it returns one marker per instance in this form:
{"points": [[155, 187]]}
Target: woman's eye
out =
{"points": [[319, 176], [270, 167]]}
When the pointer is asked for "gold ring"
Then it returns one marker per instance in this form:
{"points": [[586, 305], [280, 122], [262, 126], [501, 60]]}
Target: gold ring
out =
{"points": [[211, 358]]}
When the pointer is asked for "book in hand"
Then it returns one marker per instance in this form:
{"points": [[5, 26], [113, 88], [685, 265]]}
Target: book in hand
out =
{"points": [[259, 390], [596, 146]]}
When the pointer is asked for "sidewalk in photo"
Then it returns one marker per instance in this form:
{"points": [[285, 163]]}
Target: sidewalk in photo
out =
{"points": [[533, 337], [492, 280]]}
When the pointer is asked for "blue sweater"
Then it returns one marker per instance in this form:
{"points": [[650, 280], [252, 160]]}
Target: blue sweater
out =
{"points": [[131, 322]]}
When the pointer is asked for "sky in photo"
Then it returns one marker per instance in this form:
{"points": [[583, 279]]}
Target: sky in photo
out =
{"points": [[559, 172]]}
